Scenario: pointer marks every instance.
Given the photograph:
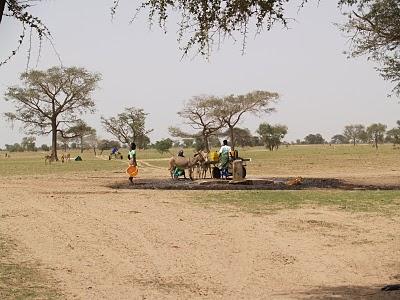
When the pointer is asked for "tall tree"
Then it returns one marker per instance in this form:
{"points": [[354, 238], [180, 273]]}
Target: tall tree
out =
{"points": [[199, 114], [232, 109], [376, 133], [79, 131], [393, 136], [188, 142], [314, 139], [49, 101], [129, 126], [163, 146], [339, 139], [272, 135], [354, 132], [242, 136], [91, 141], [28, 143]]}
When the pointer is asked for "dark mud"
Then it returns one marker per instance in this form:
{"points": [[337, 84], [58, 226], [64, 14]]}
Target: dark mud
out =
{"points": [[251, 184]]}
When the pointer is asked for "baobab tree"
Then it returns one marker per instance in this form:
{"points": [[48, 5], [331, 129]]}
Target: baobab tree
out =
{"points": [[49, 102]]}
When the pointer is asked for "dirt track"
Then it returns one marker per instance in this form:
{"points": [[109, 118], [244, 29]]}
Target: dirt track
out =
{"points": [[102, 243]]}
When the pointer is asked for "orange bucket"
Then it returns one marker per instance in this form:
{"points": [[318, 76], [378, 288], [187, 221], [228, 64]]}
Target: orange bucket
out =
{"points": [[132, 171]]}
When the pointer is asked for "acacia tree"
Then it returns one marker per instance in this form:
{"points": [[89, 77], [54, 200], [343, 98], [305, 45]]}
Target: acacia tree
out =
{"points": [[242, 136], [393, 135], [354, 132], [376, 133], [79, 131], [129, 126], [339, 139], [272, 135], [312, 139], [50, 101], [230, 110], [28, 143], [199, 114]]}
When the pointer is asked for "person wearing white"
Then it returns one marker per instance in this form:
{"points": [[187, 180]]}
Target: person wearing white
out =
{"points": [[225, 148], [224, 155]]}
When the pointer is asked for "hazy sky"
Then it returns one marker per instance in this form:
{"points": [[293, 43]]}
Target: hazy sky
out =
{"points": [[321, 90]]}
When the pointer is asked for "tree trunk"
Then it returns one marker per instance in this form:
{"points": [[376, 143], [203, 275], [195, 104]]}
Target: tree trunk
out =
{"points": [[94, 150], [81, 141], [206, 144], [2, 5], [354, 141], [54, 140], [376, 142], [231, 134]]}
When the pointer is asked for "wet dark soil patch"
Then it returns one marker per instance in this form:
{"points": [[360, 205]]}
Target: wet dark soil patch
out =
{"points": [[251, 184]]}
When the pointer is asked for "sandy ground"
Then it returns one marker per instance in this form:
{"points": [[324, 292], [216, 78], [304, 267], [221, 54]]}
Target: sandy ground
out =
{"points": [[100, 243]]}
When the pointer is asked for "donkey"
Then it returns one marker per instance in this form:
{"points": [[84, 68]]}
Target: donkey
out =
{"points": [[186, 163], [203, 166], [48, 158]]}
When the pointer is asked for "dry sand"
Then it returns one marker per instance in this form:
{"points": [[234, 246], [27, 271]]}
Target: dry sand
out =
{"points": [[100, 243]]}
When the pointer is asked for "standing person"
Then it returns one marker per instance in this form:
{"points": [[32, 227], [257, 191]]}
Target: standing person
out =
{"points": [[224, 155], [132, 158]]}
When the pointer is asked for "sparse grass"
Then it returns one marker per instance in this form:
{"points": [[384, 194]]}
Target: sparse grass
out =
{"points": [[21, 280], [382, 202], [299, 160], [323, 160], [32, 163]]}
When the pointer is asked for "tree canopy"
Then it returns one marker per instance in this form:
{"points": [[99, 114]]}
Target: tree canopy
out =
{"points": [[79, 131], [372, 24], [354, 133], [232, 109], [314, 139], [129, 126], [272, 135], [376, 133], [198, 113], [51, 101], [163, 145]]}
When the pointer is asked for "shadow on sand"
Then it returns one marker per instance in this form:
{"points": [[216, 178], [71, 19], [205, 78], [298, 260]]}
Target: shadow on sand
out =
{"points": [[344, 292]]}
